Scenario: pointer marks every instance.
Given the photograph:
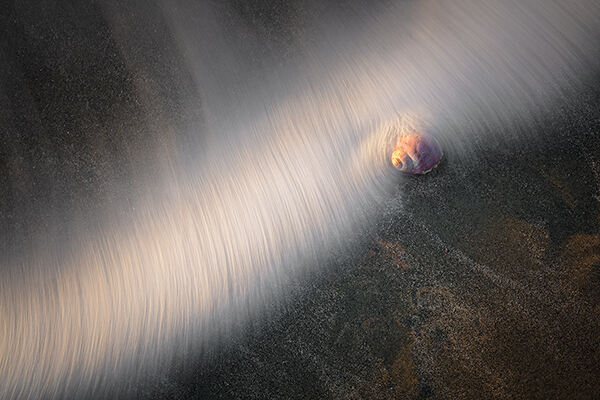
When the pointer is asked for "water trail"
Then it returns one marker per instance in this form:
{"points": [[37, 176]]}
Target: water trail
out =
{"points": [[295, 161]]}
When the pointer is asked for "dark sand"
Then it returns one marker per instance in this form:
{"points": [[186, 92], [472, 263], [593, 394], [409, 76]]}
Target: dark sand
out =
{"points": [[482, 281]]}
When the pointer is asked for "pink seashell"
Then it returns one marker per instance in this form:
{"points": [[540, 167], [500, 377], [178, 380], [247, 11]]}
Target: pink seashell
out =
{"points": [[416, 153]]}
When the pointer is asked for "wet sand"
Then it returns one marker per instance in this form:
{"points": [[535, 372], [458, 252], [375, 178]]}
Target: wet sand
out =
{"points": [[481, 281]]}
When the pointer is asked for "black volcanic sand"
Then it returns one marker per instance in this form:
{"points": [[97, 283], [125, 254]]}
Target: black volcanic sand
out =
{"points": [[482, 281]]}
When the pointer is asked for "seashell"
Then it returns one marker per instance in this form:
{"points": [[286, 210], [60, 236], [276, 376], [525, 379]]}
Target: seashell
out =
{"points": [[416, 153]]}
